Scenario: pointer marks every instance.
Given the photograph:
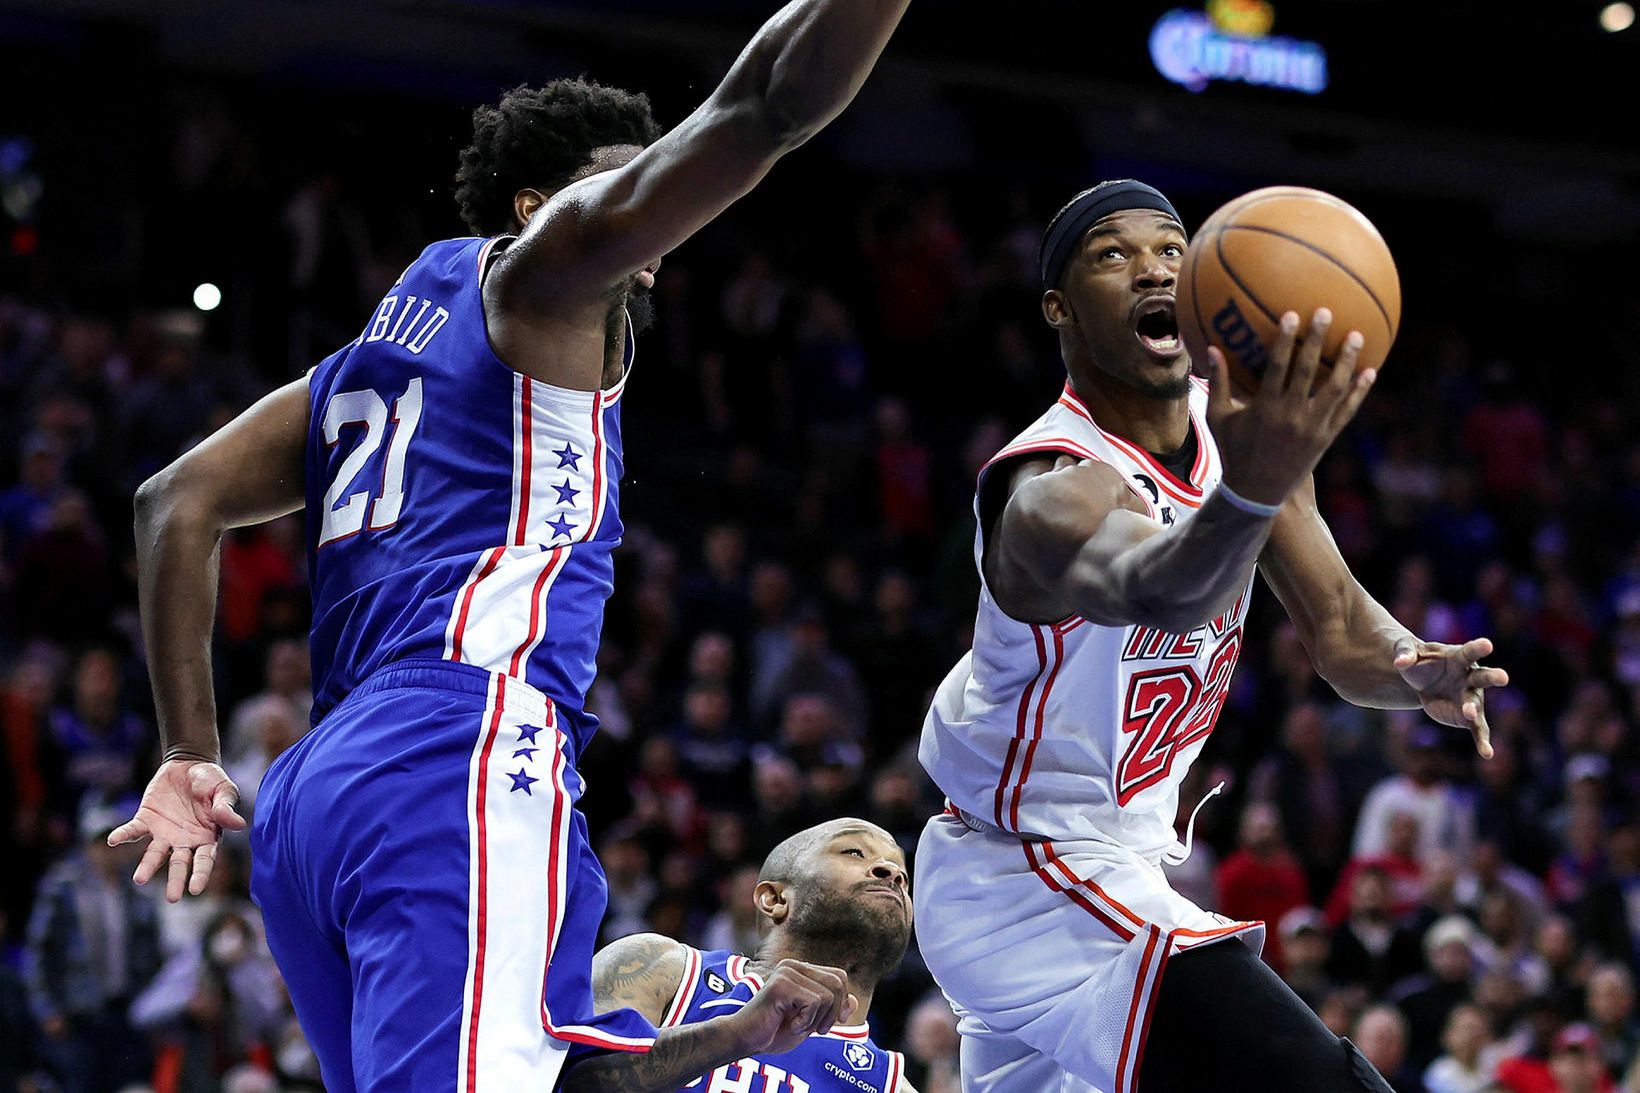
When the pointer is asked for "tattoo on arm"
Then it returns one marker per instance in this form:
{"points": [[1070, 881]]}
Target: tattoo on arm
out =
{"points": [[640, 972], [679, 1056]]}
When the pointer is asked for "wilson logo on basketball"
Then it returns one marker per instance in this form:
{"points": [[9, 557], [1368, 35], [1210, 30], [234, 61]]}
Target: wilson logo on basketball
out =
{"points": [[1239, 338]]}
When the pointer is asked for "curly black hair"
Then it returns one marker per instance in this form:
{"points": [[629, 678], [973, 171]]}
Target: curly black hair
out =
{"points": [[539, 137]]}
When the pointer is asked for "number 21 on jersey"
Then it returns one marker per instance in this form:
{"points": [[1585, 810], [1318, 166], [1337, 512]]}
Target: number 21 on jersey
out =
{"points": [[366, 410]]}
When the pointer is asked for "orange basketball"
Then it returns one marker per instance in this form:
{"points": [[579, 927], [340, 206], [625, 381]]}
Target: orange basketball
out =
{"points": [[1286, 248]]}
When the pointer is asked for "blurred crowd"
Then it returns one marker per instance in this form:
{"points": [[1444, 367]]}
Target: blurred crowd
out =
{"points": [[805, 426]]}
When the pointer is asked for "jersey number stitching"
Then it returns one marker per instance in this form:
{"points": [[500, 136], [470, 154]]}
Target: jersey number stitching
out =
{"points": [[1167, 710], [367, 408], [775, 1080]]}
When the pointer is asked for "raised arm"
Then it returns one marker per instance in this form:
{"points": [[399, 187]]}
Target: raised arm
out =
{"points": [[1357, 646], [642, 973], [1071, 539], [249, 471], [799, 72]]}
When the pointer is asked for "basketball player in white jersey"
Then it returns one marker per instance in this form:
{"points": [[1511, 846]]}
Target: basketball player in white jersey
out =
{"points": [[1118, 537]]}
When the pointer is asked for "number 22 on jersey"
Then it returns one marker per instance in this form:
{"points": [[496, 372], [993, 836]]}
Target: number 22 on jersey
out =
{"points": [[1167, 710], [367, 410]]}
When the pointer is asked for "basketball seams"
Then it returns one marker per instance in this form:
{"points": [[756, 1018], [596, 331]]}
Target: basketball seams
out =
{"points": [[1389, 324], [1278, 217], [1230, 272]]}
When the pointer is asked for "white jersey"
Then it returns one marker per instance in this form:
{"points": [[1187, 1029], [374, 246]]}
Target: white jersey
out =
{"points": [[1076, 731]]}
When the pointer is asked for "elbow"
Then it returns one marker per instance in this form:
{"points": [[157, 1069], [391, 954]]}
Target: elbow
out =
{"points": [[166, 501], [150, 502], [1332, 670]]}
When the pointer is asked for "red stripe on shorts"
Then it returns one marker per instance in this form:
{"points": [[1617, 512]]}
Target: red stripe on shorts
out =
{"points": [[1133, 1009], [482, 909], [1076, 897]]}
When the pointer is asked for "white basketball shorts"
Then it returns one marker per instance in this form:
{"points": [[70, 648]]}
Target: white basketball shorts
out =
{"points": [[1052, 954]]}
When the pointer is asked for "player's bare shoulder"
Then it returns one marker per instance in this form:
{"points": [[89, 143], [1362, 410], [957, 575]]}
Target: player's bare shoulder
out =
{"points": [[1051, 507], [640, 972]]}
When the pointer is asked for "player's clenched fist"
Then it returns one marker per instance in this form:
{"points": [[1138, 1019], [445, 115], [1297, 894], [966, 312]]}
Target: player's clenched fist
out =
{"points": [[798, 1001]]}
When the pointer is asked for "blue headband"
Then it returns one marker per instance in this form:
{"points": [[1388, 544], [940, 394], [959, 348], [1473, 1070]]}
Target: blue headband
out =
{"points": [[1087, 208]]}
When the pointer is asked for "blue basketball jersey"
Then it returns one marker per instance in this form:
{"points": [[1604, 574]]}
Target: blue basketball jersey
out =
{"points": [[456, 508], [843, 1060]]}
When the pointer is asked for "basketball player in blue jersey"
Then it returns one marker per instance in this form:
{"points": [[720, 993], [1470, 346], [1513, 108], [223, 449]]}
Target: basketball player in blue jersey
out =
{"points": [[425, 877], [833, 895]]}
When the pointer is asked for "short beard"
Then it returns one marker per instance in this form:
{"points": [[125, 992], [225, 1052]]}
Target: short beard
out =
{"points": [[635, 304], [1169, 388], [851, 931], [639, 304]]}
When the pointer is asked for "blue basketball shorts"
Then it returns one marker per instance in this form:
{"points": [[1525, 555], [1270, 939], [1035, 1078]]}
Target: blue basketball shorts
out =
{"points": [[428, 888]]}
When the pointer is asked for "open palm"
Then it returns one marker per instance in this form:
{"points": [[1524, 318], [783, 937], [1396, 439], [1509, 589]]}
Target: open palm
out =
{"points": [[1451, 683], [183, 811]]}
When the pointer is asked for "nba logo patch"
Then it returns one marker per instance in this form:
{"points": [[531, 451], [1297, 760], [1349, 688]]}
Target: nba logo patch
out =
{"points": [[858, 1056]]}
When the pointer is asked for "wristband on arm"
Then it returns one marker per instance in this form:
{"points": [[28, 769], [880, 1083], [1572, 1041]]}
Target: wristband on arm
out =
{"points": [[1252, 508]]}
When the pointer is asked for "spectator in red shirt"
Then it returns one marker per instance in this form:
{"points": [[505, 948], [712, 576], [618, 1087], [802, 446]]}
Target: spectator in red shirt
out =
{"points": [[904, 467], [1261, 881], [257, 562], [1573, 1066], [1398, 863], [1509, 438]]}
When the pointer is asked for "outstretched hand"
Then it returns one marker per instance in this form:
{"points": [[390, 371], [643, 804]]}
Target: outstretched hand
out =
{"points": [[1451, 683], [183, 811]]}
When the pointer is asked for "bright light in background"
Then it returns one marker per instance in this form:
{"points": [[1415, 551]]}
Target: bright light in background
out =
{"points": [[1616, 17], [207, 297]]}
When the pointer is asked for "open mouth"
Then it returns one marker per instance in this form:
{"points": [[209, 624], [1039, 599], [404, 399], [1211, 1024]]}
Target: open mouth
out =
{"points": [[1158, 329]]}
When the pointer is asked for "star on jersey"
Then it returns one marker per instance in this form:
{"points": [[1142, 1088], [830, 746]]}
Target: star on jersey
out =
{"points": [[522, 781], [527, 753], [527, 732], [568, 457], [560, 526], [566, 493]]}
